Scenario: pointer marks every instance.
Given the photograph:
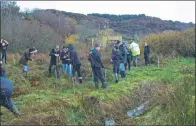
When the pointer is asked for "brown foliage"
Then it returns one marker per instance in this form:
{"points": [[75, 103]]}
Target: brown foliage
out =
{"points": [[171, 43]]}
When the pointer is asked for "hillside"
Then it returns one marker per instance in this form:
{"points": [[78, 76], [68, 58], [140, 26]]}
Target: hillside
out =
{"points": [[141, 24], [128, 25], [50, 27]]}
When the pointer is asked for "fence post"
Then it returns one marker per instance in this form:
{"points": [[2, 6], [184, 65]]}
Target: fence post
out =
{"points": [[14, 59], [158, 61]]}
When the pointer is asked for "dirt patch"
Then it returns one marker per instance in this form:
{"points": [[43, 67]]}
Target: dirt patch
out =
{"points": [[40, 119]]}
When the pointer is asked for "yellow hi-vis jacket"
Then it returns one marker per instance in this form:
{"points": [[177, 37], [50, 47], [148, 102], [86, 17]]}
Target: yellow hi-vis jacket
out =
{"points": [[134, 48]]}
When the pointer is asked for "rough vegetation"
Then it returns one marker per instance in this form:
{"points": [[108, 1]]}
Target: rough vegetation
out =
{"points": [[168, 92], [171, 43]]}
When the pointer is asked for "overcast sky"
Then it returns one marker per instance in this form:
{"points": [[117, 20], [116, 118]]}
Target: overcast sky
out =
{"points": [[183, 11]]}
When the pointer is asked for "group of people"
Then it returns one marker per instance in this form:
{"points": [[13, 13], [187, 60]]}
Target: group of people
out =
{"points": [[70, 61], [123, 54]]}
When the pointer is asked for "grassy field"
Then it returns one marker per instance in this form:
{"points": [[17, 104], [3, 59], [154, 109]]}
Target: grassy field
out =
{"points": [[168, 90]]}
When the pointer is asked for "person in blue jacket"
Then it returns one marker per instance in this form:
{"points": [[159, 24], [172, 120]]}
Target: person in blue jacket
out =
{"points": [[5, 96]]}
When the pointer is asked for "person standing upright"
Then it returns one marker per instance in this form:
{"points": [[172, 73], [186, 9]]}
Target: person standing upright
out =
{"points": [[97, 66], [135, 52], [54, 56], [129, 57], [123, 62], [75, 62], [116, 59], [147, 54], [3, 46]]}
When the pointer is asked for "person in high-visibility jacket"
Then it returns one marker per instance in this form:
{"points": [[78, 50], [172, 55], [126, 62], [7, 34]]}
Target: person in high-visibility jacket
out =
{"points": [[135, 52]]}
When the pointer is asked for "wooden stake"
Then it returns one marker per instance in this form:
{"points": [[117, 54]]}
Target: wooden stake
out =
{"points": [[14, 59], [92, 42]]}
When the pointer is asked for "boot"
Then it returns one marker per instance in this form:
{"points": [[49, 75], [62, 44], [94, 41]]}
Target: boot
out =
{"points": [[80, 80], [116, 77], [15, 110], [104, 85]]}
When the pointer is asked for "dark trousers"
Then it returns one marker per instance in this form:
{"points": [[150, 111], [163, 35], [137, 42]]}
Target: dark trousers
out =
{"points": [[77, 68], [135, 61], [116, 70], [4, 56], [50, 69], [128, 64], [147, 60], [8, 103], [98, 75]]}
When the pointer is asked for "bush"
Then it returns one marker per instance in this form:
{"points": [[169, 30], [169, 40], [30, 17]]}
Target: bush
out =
{"points": [[171, 43]]}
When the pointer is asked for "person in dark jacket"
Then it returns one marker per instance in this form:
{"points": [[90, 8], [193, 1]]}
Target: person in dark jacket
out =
{"points": [[116, 59], [147, 54], [2, 70], [123, 50], [97, 65], [75, 62], [123, 62], [64, 58], [129, 58], [3, 46], [54, 59], [26, 56], [5, 96]]}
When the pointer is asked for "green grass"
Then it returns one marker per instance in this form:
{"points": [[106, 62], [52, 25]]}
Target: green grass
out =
{"points": [[59, 96]]}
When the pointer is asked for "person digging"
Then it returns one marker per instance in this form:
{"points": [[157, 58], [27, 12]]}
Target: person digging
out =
{"points": [[27, 56]]}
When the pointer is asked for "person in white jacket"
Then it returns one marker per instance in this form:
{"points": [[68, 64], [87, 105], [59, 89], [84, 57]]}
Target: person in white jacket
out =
{"points": [[135, 52]]}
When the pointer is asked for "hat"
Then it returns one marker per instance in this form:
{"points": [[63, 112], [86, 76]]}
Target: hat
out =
{"points": [[97, 45], [32, 50]]}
